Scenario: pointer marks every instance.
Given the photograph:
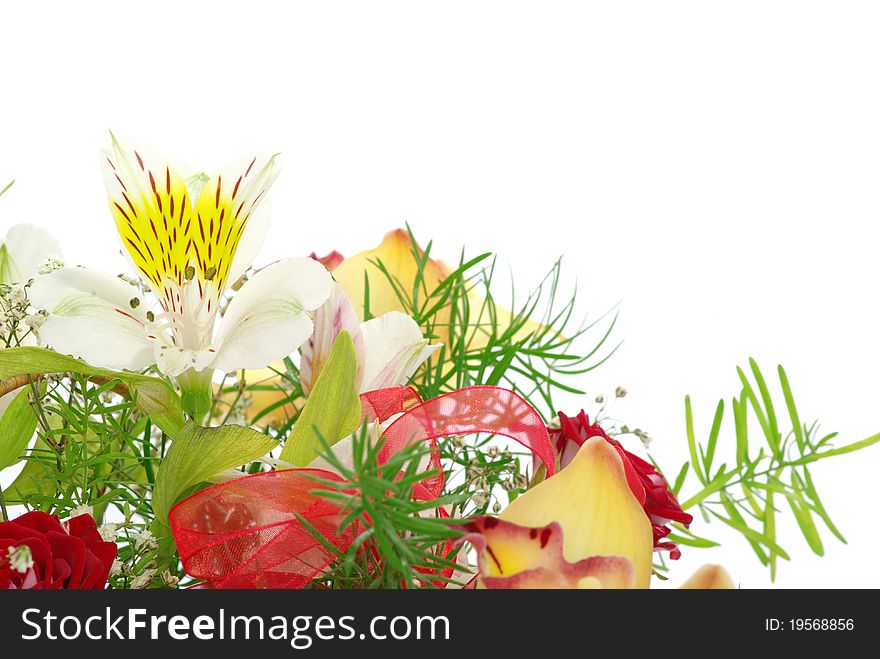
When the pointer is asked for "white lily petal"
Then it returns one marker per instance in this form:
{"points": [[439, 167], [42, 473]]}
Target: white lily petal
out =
{"points": [[267, 318], [394, 348], [27, 247], [174, 361], [251, 241], [333, 317], [92, 315]]}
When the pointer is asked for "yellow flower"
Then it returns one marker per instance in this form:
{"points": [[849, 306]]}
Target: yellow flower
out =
{"points": [[582, 528], [597, 514], [709, 577], [397, 252]]}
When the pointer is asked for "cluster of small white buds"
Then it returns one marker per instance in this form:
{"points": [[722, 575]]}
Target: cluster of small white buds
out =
{"points": [[144, 579], [36, 320], [82, 509], [108, 532], [51, 264], [144, 541], [169, 580], [20, 558]]}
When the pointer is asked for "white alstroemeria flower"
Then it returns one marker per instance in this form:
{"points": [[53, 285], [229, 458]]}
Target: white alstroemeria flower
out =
{"points": [[390, 348], [191, 246], [25, 252]]}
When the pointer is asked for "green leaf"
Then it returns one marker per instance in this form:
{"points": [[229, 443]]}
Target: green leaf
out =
{"points": [[692, 540], [34, 480], [679, 480], [804, 518], [792, 409], [770, 531], [742, 431], [199, 453], [849, 448], [810, 490], [333, 409], [749, 393], [692, 440], [8, 185], [772, 428], [17, 426], [154, 396], [713, 435]]}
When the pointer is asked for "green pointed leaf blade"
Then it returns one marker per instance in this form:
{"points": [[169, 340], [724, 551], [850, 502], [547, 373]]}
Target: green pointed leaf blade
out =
{"points": [[199, 453], [692, 440], [154, 396], [17, 426], [333, 409], [713, 435]]}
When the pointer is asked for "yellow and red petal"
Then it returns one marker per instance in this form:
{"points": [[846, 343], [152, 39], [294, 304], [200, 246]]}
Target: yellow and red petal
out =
{"points": [[592, 502], [519, 557], [165, 233], [152, 210]]}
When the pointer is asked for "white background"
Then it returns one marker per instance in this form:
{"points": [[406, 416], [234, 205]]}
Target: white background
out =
{"points": [[712, 166]]}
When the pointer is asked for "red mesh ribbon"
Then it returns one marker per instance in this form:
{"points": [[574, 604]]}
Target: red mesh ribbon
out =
{"points": [[246, 533], [489, 410], [382, 404]]}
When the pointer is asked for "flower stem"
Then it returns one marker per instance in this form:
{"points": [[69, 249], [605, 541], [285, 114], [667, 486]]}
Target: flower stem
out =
{"points": [[4, 515], [196, 394]]}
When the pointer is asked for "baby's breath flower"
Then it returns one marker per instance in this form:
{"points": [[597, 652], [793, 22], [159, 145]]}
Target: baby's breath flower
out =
{"points": [[169, 580], [20, 558], [643, 436], [36, 320], [51, 264], [115, 567], [620, 392], [143, 580], [108, 532], [144, 540], [82, 509]]}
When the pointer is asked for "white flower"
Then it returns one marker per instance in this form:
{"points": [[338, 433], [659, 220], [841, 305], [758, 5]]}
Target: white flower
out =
{"points": [[189, 248], [144, 540], [20, 558], [23, 251], [35, 320], [115, 567], [169, 580], [50, 264], [108, 532], [82, 509], [390, 348], [143, 580]]}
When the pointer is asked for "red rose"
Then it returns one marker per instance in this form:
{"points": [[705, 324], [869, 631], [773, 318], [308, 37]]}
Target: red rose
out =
{"points": [[647, 484], [72, 556]]}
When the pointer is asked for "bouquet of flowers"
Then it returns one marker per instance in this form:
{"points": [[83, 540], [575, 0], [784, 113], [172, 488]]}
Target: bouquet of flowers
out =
{"points": [[377, 421]]}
